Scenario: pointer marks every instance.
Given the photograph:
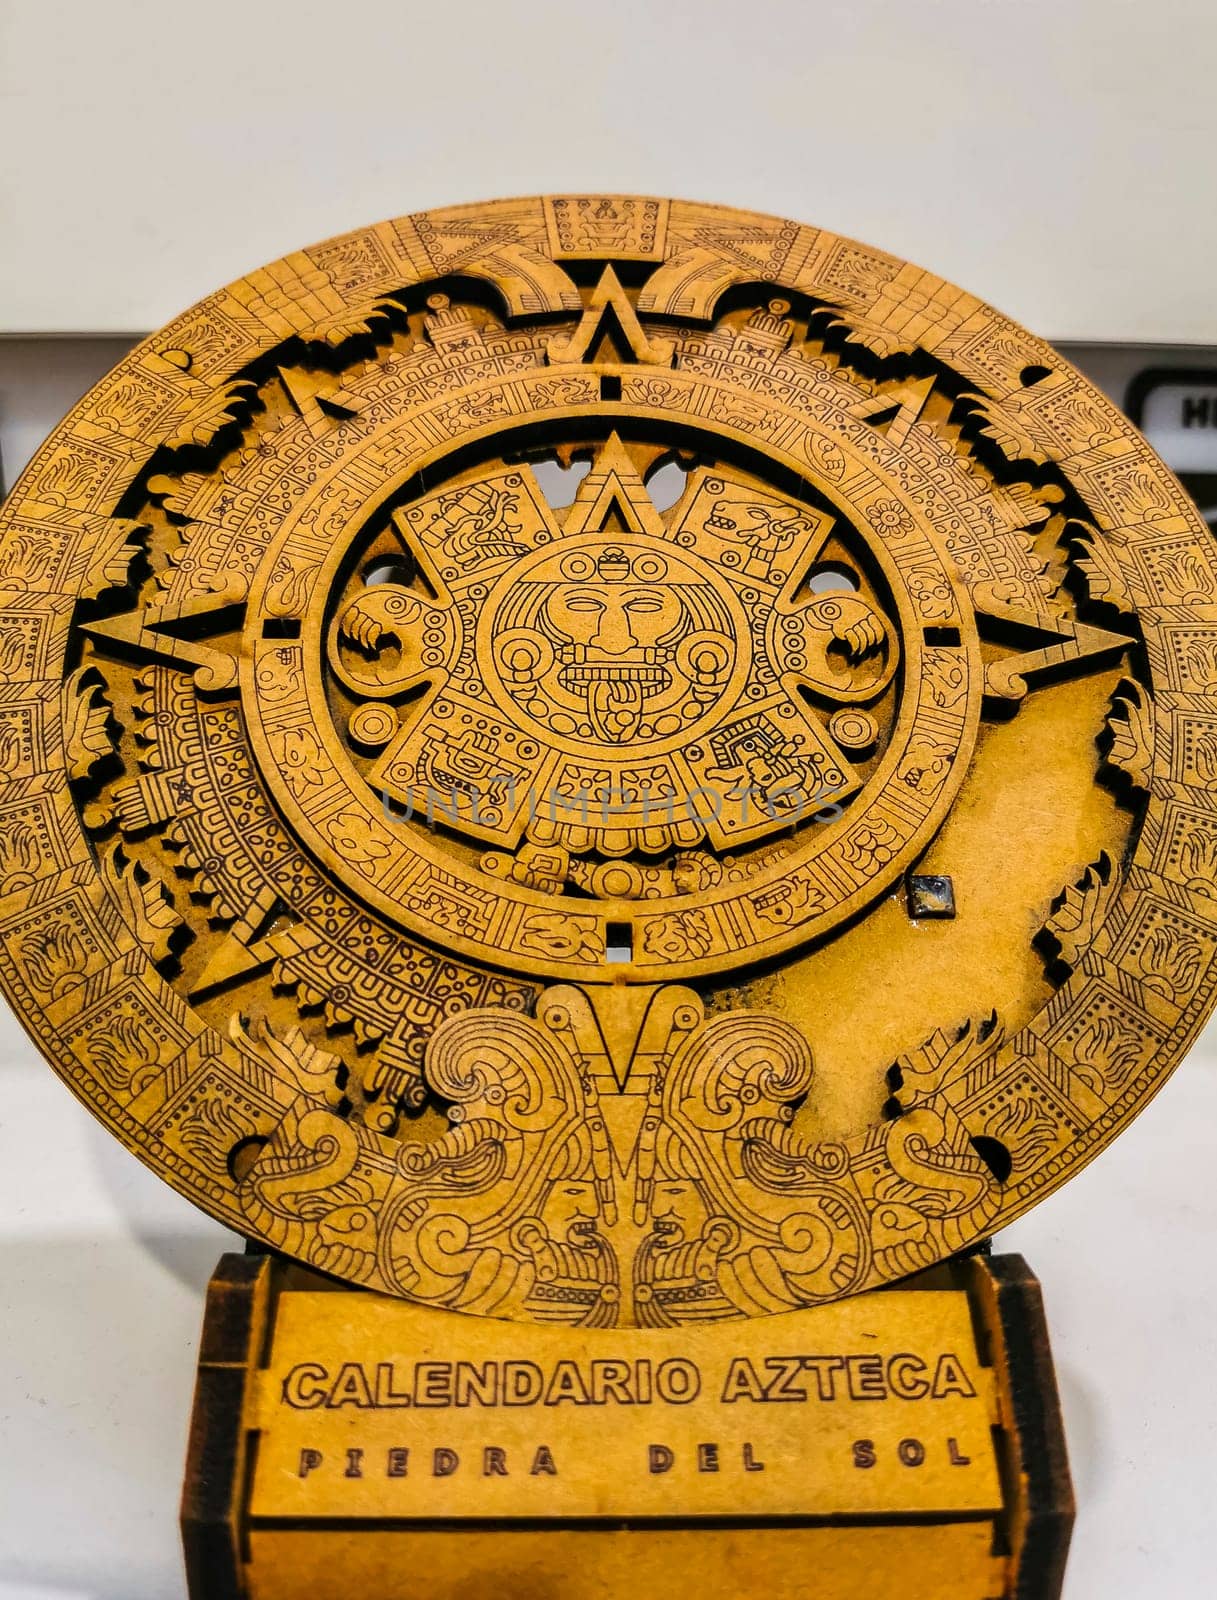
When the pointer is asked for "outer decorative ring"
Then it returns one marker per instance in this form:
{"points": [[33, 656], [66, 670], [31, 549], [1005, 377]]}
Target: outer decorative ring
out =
{"points": [[83, 939]]}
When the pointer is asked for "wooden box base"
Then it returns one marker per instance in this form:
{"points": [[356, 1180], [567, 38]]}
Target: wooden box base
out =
{"points": [[906, 1442]]}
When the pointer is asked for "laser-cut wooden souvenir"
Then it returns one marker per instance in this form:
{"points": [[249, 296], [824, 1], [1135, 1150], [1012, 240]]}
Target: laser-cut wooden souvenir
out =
{"points": [[606, 761]]}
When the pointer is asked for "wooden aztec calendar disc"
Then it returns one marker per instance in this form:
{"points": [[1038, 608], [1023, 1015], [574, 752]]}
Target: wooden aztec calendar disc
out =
{"points": [[606, 760]]}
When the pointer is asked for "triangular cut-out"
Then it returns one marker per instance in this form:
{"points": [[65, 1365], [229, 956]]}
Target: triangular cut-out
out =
{"points": [[894, 413], [242, 952], [1046, 648], [621, 1012], [233, 959], [319, 399], [613, 498], [611, 343], [609, 332], [174, 634]]}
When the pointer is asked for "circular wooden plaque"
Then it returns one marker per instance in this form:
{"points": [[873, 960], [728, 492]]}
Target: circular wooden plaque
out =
{"points": [[606, 760]]}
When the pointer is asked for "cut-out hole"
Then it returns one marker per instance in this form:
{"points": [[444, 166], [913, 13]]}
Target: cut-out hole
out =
{"points": [[560, 484], [930, 894], [666, 486], [610, 341], [388, 569], [281, 628], [610, 387], [243, 1155], [942, 638], [618, 942], [833, 577], [1033, 374], [994, 1155]]}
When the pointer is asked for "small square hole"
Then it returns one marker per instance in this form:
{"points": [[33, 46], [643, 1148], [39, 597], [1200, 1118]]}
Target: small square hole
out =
{"points": [[930, 895], [619, 942], [610, 387], [281, 628]]}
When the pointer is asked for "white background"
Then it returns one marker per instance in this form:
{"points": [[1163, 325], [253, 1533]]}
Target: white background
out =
{"points": [[1057, 156]]}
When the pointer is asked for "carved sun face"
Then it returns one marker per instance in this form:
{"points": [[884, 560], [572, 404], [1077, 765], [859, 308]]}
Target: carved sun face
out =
{"points": [[612, 644]]}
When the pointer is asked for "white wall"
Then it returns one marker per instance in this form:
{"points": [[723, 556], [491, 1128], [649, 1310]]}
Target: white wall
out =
{"points": [[1055, 156]]}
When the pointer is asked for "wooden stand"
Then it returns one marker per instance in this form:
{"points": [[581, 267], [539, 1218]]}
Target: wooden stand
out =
{"points": [[907, 1441]]}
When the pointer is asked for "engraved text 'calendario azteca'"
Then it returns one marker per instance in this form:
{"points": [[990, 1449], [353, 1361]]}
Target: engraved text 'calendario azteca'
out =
{"points": [[606, 761]]}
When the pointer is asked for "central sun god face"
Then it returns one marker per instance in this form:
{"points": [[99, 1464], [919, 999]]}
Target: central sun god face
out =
{"points": [[612, 644]]}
